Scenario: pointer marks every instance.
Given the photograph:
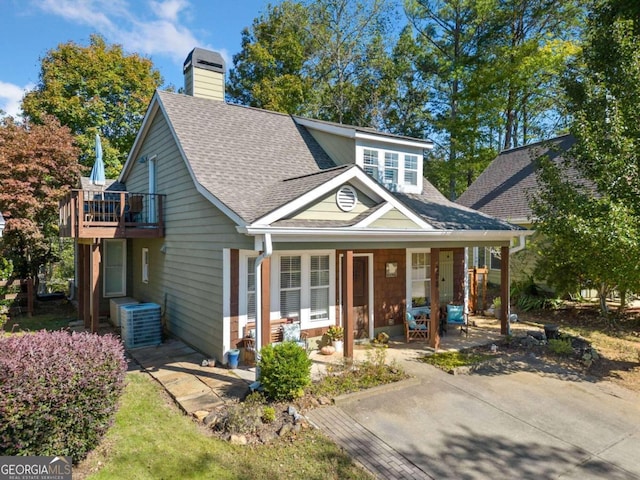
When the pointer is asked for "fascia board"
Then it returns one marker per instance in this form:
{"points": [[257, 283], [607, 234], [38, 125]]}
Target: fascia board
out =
{"points": [[323, 127], [394, 140], [284, 234], [142, 133], [202, 190], [353, 173]]}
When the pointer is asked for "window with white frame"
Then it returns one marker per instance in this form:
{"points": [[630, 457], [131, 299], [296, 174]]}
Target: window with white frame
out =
{"points": [[320, 286], [145, 265], [420, 278], [290, 286], [495, 260], [371, 162], [390, 168], [251, 289], [411, 169]]}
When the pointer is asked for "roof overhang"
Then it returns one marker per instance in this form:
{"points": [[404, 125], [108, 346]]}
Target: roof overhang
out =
{"points": [[353, 174], [375, 235], [358, 134]]}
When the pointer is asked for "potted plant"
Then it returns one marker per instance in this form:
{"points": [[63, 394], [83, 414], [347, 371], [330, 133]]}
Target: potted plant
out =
{"points": [[336, 335], [497, 303]]}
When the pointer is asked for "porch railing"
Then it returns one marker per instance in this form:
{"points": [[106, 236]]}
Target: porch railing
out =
{"points": [[111, 214]]}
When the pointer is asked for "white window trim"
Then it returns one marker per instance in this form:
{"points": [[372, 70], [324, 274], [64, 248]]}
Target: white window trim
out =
{"points": [[305, 281], [243, 286], [124, 269], [382, 149], [409, 279], [145, 265]]}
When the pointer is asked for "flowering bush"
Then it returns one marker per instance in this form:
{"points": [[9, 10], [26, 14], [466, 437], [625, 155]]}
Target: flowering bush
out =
{"points": [[58, 392]]}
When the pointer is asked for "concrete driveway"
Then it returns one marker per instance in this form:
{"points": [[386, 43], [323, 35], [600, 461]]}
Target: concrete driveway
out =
{"points": [[515, 425]]}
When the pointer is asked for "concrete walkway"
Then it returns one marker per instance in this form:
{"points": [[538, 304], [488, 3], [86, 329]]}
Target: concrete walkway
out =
{"points": [[511, 424]]}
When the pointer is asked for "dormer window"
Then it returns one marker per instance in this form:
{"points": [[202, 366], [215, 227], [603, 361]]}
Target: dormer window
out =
{"points": [[390, 168], [411, 169], [371, 162]]}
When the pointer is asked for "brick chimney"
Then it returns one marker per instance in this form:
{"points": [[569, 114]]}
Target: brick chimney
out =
{"points": [[204, 74]]}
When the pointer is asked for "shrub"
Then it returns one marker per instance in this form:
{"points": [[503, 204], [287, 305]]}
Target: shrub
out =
{"points": [[285, 370], [58, 392], [561, 346], [268, 414]]}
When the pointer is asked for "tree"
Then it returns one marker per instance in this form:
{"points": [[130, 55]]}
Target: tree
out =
{"points": [[322, 59], [94, 89], [38, 162], [268, 72], [595, 237]]}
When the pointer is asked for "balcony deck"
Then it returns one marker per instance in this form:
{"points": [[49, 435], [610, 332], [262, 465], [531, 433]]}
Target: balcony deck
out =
{"points": [[111, 214]]}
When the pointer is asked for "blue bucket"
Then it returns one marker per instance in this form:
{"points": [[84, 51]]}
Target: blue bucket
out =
{"points": [[233, 357]]}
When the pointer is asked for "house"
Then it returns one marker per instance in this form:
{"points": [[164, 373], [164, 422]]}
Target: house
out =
{"points": [[251, 216], [504, 190]]}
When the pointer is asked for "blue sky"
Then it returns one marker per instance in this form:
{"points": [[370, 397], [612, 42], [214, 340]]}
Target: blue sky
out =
{"points": [[164, 30]]}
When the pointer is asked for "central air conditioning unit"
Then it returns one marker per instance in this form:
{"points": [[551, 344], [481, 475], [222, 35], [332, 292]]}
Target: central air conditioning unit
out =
{"points": [[141, 325], [114, 310]]}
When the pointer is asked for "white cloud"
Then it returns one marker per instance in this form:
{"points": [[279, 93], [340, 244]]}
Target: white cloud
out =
{"points": [[11, 96], [152, 28]]}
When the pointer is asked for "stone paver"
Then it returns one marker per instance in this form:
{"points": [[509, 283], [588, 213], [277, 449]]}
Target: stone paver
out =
{"points": [[366, 448]]}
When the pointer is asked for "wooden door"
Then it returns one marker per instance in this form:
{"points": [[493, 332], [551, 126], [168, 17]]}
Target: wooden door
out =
{"points": [[361, 296]]}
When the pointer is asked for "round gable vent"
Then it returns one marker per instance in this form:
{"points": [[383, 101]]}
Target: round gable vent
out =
{"points": [[346, 198]]}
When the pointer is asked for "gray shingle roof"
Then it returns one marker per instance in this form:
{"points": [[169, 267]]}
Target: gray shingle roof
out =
{"points": [[272, 160], [505, 187], [444, 214], [270, 148]]}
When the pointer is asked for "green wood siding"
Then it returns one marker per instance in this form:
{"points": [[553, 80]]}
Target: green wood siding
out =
{"points": [[341, 150], [187, 279], [394, 219], [327, 209]]}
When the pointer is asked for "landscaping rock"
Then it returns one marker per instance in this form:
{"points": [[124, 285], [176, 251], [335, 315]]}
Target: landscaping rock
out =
{"points": [[324, 401], [211, 419], [285, 429], [238, 439], [267, 436], [200, 415]]}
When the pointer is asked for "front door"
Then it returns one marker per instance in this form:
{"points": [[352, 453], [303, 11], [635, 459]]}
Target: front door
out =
{"points": [[361, 296]]}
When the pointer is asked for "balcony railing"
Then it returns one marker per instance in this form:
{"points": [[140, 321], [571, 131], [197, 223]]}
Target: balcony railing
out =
{"points": [[111, 214]]}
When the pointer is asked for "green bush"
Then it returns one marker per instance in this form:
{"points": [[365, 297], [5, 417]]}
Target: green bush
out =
{"points": [[561, 346], [285, 370]]}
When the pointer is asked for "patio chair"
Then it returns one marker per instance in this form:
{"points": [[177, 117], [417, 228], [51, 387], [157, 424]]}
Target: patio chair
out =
{"points": [[292, 332], [416, 328], [456, 315]]}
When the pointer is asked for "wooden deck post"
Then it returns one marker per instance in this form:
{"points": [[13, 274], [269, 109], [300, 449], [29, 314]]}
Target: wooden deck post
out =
{"points": [[434, 326], [86, 285], [95, 291], [504, 291], [265, 304], [347, 303]]}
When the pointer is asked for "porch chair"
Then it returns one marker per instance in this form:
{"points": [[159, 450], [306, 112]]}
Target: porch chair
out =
{"points": [[292, 332], [457, 316], [416, 328], [134, 208]]}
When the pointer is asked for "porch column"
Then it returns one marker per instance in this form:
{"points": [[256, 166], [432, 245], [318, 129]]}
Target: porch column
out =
{"points": [[95, 291], [504, 290], [347, 302], [86, 285], [265, 302], [434, 327]]}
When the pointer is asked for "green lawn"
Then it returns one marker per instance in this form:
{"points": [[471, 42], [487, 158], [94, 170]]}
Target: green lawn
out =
{"points": [[152, 439], [48, 317]]}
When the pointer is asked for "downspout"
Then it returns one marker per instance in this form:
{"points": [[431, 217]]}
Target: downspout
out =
{"points": [[520, 246], [266, 253]]}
